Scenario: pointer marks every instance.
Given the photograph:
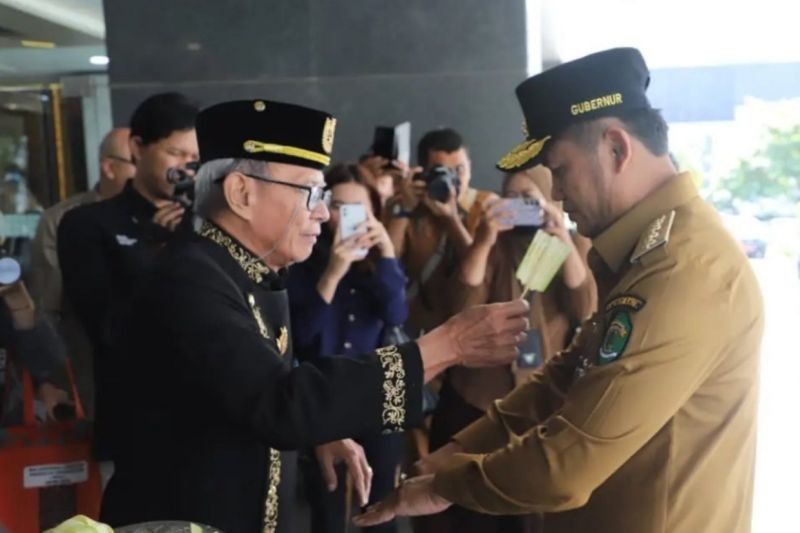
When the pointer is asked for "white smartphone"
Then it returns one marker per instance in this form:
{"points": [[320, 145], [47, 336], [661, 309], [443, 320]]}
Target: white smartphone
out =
{"points": [[523, 212], [350, 217]]}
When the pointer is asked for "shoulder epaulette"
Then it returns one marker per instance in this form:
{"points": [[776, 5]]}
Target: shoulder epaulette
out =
{"points": [[657, 234]]}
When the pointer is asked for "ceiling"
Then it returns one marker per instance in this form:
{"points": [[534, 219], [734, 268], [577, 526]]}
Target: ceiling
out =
{"points": [[75, 28]]}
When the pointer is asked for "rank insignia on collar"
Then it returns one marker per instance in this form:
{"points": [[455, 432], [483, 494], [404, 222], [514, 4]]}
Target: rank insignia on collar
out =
{"points": [[657, 234], [616, 338], [283, 340]]}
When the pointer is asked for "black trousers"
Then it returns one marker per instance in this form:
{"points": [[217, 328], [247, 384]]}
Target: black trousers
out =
{"points": [[329, 509]]}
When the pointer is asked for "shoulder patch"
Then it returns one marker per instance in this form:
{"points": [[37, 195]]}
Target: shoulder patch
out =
{"points": [[626, 300], [656, 235], [616, 338]]}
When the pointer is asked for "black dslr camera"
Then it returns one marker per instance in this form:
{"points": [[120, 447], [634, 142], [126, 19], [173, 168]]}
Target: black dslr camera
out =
{"points": [[183, 179], [439, 180]]}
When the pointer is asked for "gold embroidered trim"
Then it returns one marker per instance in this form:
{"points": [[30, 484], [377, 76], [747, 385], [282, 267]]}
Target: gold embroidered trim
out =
{"points": [[262, 326], [283, 340], [522, 153], [254, 147], [252, 265], [394, 388], [271, 505], [274, 474]]}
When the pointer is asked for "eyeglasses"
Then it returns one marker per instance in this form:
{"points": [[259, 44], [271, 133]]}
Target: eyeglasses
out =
{"points": [[316, 193], [121, 159]]}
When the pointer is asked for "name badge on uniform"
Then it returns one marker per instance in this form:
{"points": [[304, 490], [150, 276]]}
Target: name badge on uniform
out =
{"points": [[530, 351]]}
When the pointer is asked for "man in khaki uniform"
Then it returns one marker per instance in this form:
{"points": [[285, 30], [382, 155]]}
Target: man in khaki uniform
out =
{"points": [[646, 423]]}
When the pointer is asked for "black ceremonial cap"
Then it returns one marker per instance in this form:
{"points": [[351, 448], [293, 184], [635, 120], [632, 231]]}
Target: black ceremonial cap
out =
{"points": [[266, 131], [598, 85]]}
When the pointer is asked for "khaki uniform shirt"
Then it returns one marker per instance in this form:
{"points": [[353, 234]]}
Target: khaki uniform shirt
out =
{"points": [[45, 271], [552, 317], [47, 292], [424, 238], [647, 422]]}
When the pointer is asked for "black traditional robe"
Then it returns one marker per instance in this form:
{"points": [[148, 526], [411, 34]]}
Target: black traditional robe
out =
{"points": [[211, 397]]}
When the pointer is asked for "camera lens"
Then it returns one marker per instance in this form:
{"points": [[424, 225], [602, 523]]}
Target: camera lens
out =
{"points": [[439, 189], [174, 175]]}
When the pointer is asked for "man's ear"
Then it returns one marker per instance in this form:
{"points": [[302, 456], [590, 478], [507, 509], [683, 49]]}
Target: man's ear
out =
{"points": [[619, 144], [106, 169], [136, 145], [238, 190]]}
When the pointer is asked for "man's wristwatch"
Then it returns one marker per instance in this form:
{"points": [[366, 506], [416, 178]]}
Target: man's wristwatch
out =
{"points": [[398, 210]]}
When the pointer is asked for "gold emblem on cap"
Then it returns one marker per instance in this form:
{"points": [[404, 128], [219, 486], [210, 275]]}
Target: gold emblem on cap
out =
{"points": [[522, 153], [259, 105], [327, 134]]}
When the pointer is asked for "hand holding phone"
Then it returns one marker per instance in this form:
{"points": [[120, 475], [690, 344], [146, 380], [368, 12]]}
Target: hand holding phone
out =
{"points": [[523, 212], [393, 143], [351, 217]]}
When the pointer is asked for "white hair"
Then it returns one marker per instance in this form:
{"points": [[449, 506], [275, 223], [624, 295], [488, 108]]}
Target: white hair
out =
{"points": [[209, 198]]}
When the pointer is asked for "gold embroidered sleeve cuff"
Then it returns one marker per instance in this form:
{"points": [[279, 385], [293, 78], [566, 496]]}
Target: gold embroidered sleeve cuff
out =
{"points": [[401, 387]]}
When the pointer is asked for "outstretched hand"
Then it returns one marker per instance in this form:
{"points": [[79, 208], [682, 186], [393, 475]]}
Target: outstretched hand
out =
{"points": [[414, 497]]}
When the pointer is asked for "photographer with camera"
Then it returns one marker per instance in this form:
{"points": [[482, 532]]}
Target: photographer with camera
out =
{"points": [[486, 275], [433, 221], [106, 249]]}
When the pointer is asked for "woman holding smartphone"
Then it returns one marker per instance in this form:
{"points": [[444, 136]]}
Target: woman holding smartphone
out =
{"points": [[343, 299], [487, 274]]}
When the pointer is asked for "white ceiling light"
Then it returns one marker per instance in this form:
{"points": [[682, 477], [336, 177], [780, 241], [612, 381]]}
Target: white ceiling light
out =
{"points": [[98, 60]]}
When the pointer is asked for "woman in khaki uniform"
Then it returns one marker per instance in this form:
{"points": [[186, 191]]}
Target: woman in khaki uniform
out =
{"points": [[487, 274]]}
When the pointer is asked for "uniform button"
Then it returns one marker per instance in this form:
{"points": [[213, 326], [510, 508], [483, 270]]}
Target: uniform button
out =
{"points": [[352, 291], [347, 346], [351, 317]]}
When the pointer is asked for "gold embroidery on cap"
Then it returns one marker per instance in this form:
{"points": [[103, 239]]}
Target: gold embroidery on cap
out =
{"points": [[259, 105], [254, 147], [594, 104], [522, 153], [525, 128], [327, 134]]}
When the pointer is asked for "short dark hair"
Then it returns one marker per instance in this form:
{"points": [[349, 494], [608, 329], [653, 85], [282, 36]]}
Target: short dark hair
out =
{"points": [[350, 173], [162, 114], [647, 125], [439, 140]]}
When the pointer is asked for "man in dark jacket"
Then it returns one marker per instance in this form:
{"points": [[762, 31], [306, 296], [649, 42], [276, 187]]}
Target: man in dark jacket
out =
{"points": [[107, 249], [211, 392]]}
